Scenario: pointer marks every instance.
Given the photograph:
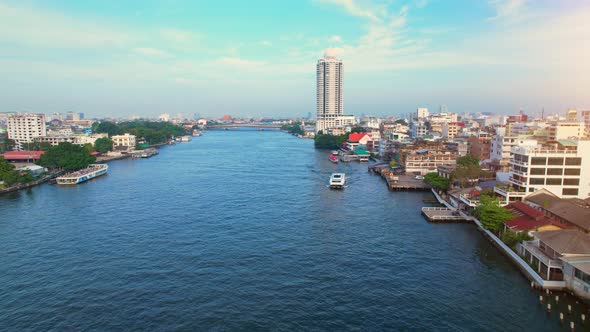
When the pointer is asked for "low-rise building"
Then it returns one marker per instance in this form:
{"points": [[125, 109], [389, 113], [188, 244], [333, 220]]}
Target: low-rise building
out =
{"points": [[125, 140], [424, 161]]}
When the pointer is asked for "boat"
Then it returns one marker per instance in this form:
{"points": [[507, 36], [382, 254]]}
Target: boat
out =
{"points": [[333, 158], [334, 152], [196, 133], [337, 180], [83, 175]]}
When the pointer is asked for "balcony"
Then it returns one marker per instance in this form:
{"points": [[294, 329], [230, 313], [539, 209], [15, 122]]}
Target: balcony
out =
{"points": [[517, 182], [519, 163], [467, 200], [508, 190], [531, 247]]}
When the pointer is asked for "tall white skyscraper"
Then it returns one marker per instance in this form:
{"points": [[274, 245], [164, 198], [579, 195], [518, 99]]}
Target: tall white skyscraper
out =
{"points": [[330, 106]]}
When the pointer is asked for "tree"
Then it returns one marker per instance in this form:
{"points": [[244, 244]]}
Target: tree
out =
{"points": [[491, 215], [10, 176], [357, 129], [107, 127], [401, 121], [467, 169], [66, 155], [103, 144], [437, 181], [322, 141], [294, 128], [392, 163]]}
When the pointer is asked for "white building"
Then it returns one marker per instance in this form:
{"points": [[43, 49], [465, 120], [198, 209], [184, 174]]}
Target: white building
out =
{"points": [[562, 168], [23, 128], [126, 140], [329, 102], [566, 130], [501, 147], [164, 117], [422, 113]]}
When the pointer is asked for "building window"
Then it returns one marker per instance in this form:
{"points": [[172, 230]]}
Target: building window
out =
{"points": [[569, 191], [537, 171], [554, 171], [555, 161], [538, 161], [572, 171], [571, 182], [540, 181], [553, 182], [573, 161]]}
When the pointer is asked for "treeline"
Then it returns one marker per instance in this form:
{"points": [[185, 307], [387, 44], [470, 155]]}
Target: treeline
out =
{"points": [[323, 141], [67, 156], [152, 132], [294, 128]]}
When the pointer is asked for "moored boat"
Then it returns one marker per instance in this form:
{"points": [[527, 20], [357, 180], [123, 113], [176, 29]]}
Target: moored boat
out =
{"points": [[83, 175], [333, 158], [337, 180]]}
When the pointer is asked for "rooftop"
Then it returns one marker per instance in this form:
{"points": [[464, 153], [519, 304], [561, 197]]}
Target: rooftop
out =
{"points": [[566, 242]]}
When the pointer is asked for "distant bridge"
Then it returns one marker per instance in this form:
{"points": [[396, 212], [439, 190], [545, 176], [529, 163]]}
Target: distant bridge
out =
{"points": [[245, 125]]}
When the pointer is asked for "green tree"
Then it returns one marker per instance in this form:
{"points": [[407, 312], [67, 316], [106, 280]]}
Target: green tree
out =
{"points": [[66, 155], [511, 238], [103, 144], [357, 129], [491, 215], [322, 141], [7, 173], [107, 127], [392, 163], [437, 181], [6, 145], [402, 121], [294, 128], [467, 169]]}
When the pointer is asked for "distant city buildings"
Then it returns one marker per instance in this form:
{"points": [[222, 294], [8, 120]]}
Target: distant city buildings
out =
{"points": [[330, 104]]}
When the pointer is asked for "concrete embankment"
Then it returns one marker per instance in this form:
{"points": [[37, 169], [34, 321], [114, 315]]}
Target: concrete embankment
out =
{"points": [[525, 268]]}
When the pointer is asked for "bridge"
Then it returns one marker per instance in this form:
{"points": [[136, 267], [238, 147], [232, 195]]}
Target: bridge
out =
{"points": [[272, 126]]}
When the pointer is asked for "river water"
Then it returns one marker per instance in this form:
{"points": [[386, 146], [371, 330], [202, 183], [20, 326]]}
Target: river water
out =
{"points": [[237, 230]]}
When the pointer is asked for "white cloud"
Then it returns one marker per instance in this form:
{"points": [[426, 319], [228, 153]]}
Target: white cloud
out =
{"points": [[51, 29], [241, 63], [507, 9], [355, 9], [152, 52], [335, 39]]}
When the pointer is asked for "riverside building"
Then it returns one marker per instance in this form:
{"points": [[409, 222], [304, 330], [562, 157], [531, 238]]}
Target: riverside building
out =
{"points": [[24, 128], [330, 106], [563, 168]]}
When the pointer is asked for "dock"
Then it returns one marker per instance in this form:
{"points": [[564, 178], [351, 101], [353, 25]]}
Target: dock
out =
{"points": [[399, 182], [443, 214]]}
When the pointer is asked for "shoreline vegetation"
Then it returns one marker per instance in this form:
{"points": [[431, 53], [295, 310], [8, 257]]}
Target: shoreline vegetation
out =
{"points": [[68, 157]]}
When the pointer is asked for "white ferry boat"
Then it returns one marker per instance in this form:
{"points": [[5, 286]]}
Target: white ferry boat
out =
{"points": [[337, 180], [92, 171]]}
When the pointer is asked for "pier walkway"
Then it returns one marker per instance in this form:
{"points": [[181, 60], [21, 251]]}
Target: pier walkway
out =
{"points": [[443, 214]]}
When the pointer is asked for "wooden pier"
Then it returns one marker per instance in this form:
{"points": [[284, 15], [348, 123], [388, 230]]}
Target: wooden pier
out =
{"points": [[443, 214]]}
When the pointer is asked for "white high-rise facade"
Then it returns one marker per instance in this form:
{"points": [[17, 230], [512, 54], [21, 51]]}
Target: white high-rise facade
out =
{"points": [[330, 106], [23, 128]]}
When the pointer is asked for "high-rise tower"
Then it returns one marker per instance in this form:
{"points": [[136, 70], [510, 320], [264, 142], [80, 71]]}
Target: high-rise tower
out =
{"points": [[330, 107]]}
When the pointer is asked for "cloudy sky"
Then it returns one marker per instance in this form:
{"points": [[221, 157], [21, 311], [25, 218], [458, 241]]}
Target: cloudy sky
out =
{"points": [[119, 58]]}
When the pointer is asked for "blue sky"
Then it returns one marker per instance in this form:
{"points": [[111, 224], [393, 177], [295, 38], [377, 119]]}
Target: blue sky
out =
{"points": [[120, 58]]}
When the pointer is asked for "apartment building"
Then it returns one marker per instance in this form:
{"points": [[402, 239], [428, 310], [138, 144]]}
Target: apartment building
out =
{"points": [[425, 161], [126, 140], [566, 130], [560, 168], [23, 128]]}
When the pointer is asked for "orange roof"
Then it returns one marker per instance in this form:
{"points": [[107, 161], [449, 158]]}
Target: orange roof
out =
{"points": [[22, 155]]}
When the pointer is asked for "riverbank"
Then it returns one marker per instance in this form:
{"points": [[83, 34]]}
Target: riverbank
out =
{"points": [[31, 184]]}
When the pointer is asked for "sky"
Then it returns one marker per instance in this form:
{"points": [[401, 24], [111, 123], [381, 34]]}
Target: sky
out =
{"points": [[257, 58]]}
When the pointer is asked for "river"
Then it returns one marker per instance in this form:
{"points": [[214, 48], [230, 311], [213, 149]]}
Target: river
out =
{"points": [[237, 230]]}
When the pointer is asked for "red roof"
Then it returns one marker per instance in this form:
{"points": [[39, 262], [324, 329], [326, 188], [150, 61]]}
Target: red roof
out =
{"points": [[355, 137], [525, 223], [22, 155], [525, 209], [528, 218]]}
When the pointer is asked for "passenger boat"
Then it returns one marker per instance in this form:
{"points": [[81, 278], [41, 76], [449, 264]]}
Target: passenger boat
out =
{"points": [[337, 180], [335, 152], [333, 158], [83, 175]]}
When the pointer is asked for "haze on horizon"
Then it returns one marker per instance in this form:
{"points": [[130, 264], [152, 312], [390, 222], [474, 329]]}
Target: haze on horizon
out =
{"points": [[120, 58]]}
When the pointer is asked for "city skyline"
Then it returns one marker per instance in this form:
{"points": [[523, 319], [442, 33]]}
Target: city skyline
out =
{"points": [[120, 59]]}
